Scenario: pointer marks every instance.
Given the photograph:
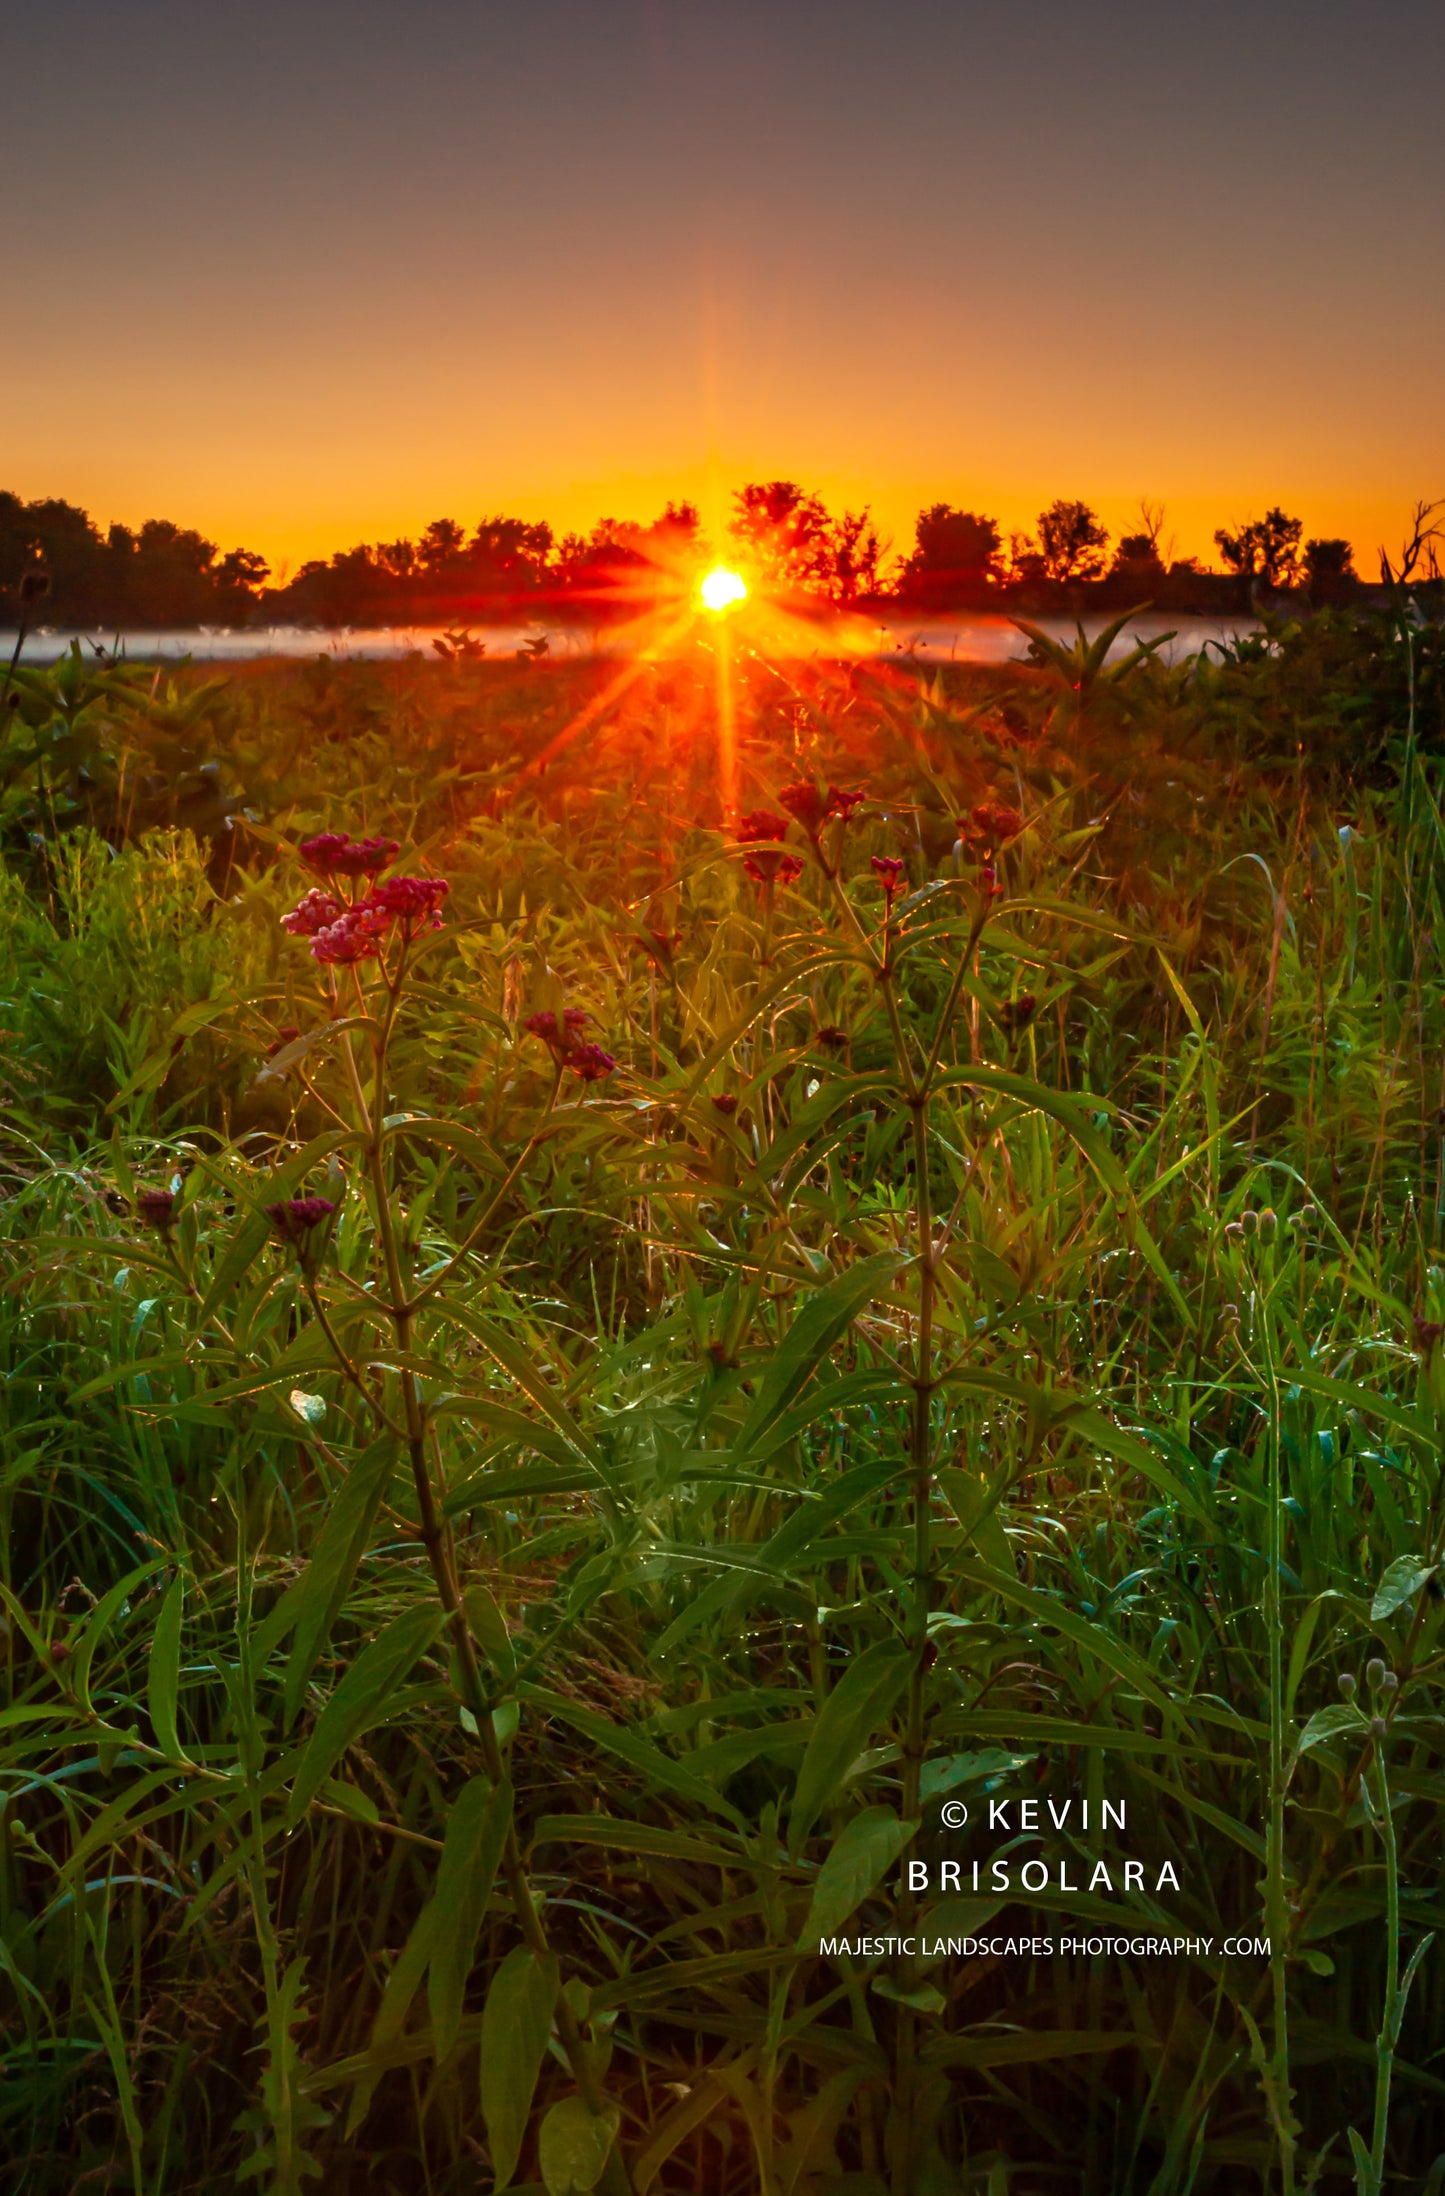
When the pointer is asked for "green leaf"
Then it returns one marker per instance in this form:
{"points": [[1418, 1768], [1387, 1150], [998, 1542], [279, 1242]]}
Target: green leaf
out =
{"points": [[858, 1703], [575, 2146], [351, 1800], [163, 1674], [1400, 1584], [362, 1699], [1327, 1723], [926, 1998], [488, 1627], [825, 1318], [516, 2023], [1024, 2049], [862, 1854], [312, 1604], [475, 1834]]}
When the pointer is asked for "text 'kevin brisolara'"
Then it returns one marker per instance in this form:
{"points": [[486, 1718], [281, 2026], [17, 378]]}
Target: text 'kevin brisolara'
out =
{"points": [[1036, 1875]]}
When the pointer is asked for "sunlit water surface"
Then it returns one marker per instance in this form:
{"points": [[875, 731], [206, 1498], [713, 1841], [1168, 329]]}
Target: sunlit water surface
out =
{"points": [[981, 639]]}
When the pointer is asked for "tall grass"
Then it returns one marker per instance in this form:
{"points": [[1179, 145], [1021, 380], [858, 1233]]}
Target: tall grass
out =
{"points": [[467, 1647]]}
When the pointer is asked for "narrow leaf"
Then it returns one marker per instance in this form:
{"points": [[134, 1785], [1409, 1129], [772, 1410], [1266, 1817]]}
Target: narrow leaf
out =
{"points": [[362, 1699], [475, 1834], [163, 1675], [516, 2023]]}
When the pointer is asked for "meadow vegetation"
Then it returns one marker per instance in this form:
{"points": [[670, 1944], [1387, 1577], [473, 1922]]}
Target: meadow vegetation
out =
{"points": [[802, 1244]]}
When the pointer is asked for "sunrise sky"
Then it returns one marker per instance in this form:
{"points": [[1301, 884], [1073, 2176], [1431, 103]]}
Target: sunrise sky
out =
{"points": [[305, 273]]}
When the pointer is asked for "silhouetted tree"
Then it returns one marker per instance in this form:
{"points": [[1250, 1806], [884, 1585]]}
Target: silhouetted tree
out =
{"points": [[955, 556], [792, 541], [1267, 549], [1330, 571], [784, 532], [1071, 541], [1137, 561]]}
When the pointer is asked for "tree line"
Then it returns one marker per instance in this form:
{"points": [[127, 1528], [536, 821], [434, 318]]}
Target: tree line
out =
{"points": [[783, 536]]}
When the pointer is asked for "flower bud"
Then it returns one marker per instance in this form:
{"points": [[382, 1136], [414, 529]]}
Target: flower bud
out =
{"points": [[1389, 1683], [1347, 1684], [1378, 1727], [1375, 1673], [1249, 1224], [1268, 1225]]}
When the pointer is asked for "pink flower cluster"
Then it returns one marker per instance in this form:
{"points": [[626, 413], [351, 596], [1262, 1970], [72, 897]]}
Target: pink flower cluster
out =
{"points": [[760, 824], [562, 1035], [337, 854], [991, 824], [772, 865], [343, 933], [888, 869], [295, 1217], [812, 808]]}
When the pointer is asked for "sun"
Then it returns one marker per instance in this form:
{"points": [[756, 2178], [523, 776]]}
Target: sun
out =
{"points": [[722, 588]]}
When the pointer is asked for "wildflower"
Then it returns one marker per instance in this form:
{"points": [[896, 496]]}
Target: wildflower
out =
{"points": [[806, 804], [726, 1103], [156, 1207], [992, 823], [1427, 1335], [841, 803], [1018, 1013], [832, 1036], [351, 938], [559, 1033], [337, 854], [414, 900], [988, 883], [295, 1217], [771, 865], [590, 1064], [761, 823], [888, 869], [286, 1035], [317, 912]]}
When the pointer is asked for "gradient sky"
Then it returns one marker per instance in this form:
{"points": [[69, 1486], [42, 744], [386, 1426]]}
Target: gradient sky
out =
{"points": [[307, 273]]}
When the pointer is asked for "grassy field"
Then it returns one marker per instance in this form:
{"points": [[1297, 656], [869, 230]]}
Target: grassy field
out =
{"points": [[514, 1527]]}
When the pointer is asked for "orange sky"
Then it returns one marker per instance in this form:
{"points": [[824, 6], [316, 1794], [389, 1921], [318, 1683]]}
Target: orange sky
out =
{"points": [[321, 273]]}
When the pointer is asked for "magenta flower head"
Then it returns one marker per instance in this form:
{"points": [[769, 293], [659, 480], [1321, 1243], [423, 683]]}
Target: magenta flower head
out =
{"points": [[560, 1033], [295, 1217], [156, 1207], [413, 901], [590, 1064], [888, 869], [337, 854], [841, 803], [761, 823], [768, 865], [317, 912], [351, 938], [806, 804], [991, 824]]}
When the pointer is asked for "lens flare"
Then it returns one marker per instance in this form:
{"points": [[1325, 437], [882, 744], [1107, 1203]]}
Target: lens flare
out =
{"points": [[722, 588]]}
